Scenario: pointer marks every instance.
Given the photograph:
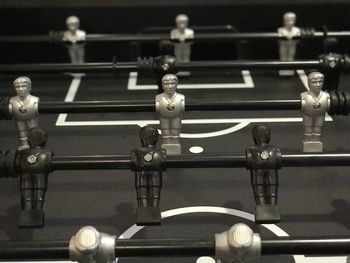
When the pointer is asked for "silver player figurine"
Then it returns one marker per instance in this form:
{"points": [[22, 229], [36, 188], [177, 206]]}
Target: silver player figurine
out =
{"points": [[170, 107], [75, 38], [288, 47], [182, 34], [314, 105], [24, 109]]}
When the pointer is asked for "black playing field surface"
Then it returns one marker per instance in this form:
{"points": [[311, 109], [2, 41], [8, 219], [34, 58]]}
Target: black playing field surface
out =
{"points": [[313, 201]]}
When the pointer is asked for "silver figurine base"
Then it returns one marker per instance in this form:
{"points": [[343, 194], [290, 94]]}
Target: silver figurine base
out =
{"points": [[183, 74], [172, 149], [312, 147], [286, 73]]}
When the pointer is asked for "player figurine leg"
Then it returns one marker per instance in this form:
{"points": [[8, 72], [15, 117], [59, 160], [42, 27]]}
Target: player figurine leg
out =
{"points": [[24, 109], [76, 53], [75, 39], [288, 46], [33, 185], [182, 51], [264, 181], [314, 105], [170, 107], [148, 177]]}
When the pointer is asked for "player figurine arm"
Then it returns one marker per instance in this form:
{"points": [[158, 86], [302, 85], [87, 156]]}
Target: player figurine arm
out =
{"points": [[328, 101], [183, 103], [36, 106], [302, 99], [191, 34], [158, 97], [173, 34], [280, 32], [10, 108]]}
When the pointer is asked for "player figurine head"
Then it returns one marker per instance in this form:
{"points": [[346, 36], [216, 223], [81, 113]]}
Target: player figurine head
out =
{"points": [[330, 45], [169, 83], [73, 23], [315, 82], [181, 22], [37, 137], [149, 136], [22, 86], [289, 20], [261, 135]]}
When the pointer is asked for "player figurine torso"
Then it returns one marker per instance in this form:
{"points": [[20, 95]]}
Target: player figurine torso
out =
{"points": [[172, 107], [330, 68], [314, 108], [33, 159], [182, 36], [24, 110], [332, 60], [165, 65], [78, 37], [148, 158], [289, 34], [265, 157]]}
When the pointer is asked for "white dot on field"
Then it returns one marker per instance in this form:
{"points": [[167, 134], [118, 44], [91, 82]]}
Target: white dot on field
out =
{"points": [[205, 260], [196, 149]]}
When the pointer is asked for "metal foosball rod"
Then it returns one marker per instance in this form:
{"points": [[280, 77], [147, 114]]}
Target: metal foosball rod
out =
{"points": [[338, 105], [118, 67], [98, 162], [214, 37], [199, 37], [331, 64], [238, 244], [149, 106], [19, 160], [54, 107]]}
